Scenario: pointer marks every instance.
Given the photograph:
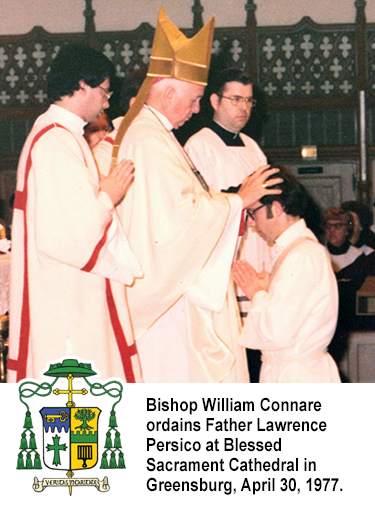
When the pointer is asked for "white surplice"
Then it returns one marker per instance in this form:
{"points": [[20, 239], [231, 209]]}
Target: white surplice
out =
{"points": [[294, 321], [70, 259]]}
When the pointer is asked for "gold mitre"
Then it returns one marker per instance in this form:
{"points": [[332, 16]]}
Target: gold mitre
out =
{"points": [[173, 55]]}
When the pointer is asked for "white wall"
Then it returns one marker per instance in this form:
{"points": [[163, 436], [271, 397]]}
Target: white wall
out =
{"points": [[20, 16]]}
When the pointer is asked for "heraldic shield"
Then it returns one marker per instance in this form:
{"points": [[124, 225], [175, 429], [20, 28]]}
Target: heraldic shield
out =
{"points": [[70, 437]]}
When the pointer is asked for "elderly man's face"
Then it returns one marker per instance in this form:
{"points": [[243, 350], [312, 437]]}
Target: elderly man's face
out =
{"points": [[184, 103]]}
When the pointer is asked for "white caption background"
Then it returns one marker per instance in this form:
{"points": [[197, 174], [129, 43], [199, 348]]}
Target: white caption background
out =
{"points": [[344, 450]]}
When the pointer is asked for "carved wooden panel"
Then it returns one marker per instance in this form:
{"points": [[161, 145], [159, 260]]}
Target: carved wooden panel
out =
{"points": [[308, 74], [307, 60], [131, 50], [24, 64], [304, 60], [233, 43], [127, 50], [321, 127]]}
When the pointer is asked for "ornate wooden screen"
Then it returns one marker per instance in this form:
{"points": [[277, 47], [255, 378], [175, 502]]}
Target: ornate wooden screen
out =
{"points": [[309, 76]]}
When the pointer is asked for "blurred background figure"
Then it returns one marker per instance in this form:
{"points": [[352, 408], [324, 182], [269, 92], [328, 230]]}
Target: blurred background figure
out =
{"points": [[351, 265], [3, 225], [349, 262], [362, 221], [96, 131], [4, 229]]}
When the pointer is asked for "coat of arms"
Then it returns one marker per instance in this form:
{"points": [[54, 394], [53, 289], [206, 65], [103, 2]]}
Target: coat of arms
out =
{"points": [[70, 433]]}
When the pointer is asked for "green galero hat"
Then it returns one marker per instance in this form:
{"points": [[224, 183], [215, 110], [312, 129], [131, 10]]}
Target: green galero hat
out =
{"points": [[70, 367]]}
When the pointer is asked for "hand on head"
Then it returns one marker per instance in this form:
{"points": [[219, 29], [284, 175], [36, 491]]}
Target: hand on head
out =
{"points": [[254, 187]]}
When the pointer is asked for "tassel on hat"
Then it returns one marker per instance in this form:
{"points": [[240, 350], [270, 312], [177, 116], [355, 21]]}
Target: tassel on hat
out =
{"points": [[37, 464], [121, 462], [28, 423], [104, 463], [20, 463], [112, 462], [29, 464], [32, 444], [117, 443], [112, 419]]}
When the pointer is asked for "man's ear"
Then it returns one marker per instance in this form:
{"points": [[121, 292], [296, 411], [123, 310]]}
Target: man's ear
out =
{"points": [[277, 208], [214, 99], [169, 93]]}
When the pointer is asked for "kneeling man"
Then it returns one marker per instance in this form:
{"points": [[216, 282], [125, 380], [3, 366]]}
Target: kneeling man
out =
{"points": [[293, 310]]}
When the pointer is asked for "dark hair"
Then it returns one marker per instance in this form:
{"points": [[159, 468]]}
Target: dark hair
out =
{"points": [[294, 198], [364, 212], [75, 63], [228, 75]]}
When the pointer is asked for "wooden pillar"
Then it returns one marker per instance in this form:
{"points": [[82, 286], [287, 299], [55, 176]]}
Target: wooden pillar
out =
{"points": [[90, 31], [252, 43], [364, 181], [197, 10]]}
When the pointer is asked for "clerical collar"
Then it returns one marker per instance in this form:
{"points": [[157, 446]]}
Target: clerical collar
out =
{"points": [[230, 138], [296, 230], [337, 251], [70, 120]]}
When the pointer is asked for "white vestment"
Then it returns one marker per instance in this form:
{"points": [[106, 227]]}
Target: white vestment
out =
{"points": [[184, 317], [294, 321], [225, 166], [70, 259]]}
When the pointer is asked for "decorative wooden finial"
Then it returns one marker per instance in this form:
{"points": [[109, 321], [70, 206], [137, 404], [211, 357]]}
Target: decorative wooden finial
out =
{"points": [[251, 26], [250, 8], [90, 31], [197, 10]]}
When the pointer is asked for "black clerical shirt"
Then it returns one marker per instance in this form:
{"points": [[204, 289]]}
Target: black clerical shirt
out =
{"points": [[230, 138]]}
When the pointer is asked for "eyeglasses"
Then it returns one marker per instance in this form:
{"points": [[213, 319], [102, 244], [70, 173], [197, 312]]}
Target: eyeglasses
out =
{"points": [[251, 213], [334, 225], [107, 94], [237, 100]]}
